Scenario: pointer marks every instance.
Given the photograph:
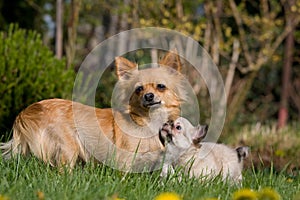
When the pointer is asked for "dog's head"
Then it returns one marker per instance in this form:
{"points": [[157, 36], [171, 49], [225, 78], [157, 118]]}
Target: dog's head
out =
{"points": [[151, 88], [182, 133]]}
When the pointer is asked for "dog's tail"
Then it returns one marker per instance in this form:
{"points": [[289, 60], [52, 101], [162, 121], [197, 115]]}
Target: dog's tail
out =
{"points": [[6, 149], [16, 145], [242, 152]]}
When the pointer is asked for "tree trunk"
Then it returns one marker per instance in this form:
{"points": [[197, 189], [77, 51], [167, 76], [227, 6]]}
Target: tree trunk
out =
{"points": [[123, 43], [287, 68], [72, 31], [239, 98], [59, 29]]}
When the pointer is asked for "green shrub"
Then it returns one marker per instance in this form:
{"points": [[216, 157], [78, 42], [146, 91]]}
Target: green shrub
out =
{"points": [[29, 72]]}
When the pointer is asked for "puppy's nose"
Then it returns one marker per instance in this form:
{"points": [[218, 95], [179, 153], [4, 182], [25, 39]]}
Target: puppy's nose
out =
{"points": [[149, 97]]}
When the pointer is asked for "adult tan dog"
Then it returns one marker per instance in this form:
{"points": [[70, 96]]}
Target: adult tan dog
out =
{"points": [[61, 132]]}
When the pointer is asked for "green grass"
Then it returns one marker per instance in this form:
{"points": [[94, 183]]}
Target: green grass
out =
{"points": [[23, 178]]}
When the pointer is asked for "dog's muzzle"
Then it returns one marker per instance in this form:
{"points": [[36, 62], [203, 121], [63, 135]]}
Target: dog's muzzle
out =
{"points": [[149, 100]]}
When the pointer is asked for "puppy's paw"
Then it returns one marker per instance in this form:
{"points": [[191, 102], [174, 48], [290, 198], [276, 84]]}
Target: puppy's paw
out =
{"points": [[165, 133]]}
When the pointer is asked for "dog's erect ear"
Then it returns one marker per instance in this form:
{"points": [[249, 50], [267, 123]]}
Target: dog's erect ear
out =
{"points": [[125, 68], [242, 153], [171, 59], [199, 135]]}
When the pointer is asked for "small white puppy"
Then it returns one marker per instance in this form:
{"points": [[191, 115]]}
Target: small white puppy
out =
{"points": [[200, 159]]}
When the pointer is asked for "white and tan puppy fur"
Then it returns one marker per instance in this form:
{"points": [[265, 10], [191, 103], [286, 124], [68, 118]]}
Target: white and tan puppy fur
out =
{"points": [[201, 159]]}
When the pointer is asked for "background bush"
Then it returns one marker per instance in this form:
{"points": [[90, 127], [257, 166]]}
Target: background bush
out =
{"points": [[29, 72], [270, 148]]}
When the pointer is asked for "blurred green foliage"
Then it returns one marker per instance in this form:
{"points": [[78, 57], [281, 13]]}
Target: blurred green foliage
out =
{"points": [[28, 72], [270, 148], [28, 14], [258, 27]]}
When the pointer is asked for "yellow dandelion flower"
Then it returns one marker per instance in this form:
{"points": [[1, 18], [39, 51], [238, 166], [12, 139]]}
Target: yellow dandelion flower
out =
{"points": [[268, 194], [280, 153], [2, 197], [115, 197], [168, 196], [245, 194], [40, 195], [289, 180]]}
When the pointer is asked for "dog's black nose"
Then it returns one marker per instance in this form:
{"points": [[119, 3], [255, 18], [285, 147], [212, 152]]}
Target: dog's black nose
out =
{"points": [[149, 97]]}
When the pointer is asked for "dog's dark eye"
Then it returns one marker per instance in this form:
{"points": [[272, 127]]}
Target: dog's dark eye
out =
{"points": [[139, 89], [161, 87], [178, 127]]}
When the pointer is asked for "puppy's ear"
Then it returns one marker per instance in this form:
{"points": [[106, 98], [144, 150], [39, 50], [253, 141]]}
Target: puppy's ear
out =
{"points": [[125, 68], [242, 153], [171, 59], [199, 135]]}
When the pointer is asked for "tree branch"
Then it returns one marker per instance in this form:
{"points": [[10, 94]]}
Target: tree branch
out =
{"points": [[242, 34], [232, 66]]}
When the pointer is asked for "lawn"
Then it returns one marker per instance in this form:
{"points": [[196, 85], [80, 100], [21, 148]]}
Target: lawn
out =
{"points": [[29, 178]]}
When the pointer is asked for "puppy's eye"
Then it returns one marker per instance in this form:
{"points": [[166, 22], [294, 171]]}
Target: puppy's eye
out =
{"points": [[178, 127], [139, 89], [161, 87]]}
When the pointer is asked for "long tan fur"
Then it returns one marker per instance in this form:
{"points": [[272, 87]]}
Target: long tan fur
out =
{"points": [[61, 132]]}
